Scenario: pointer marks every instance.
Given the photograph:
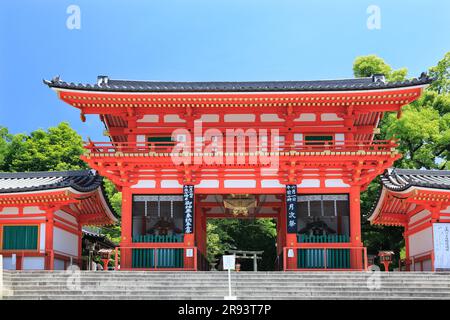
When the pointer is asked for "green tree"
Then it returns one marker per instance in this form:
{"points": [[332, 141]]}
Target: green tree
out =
{"points": [[57, 149], [5, 139], [423, 133], [366, 66], [441, 74], [244, 234]]}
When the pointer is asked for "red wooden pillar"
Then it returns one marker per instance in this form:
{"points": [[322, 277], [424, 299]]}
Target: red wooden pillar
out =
{"points": [[355, 228], [127, 231], [80, 247], [49, 230], [407, 257]]}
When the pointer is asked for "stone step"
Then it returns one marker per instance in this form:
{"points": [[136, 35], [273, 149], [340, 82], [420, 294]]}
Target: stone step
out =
{"points": [[125, 284], [65, 275], [254, 298], [206, 281], [242, 292], [223, 275], [240, 295], [213, 285]]}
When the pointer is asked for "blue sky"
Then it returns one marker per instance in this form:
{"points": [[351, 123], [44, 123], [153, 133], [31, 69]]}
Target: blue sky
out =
{"points": [[234, 40]]}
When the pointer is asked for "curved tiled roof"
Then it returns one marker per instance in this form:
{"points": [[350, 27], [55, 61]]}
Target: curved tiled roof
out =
{"points": [[106, 84], [402, 179], [81, 180]]}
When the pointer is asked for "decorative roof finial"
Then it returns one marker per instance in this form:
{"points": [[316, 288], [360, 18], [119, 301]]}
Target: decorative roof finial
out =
{"points": [[378, 77], [102, 80]]}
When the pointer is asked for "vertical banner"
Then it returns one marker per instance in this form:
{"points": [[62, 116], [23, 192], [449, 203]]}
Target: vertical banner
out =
{"points": [[441, 237], [291, 208], [188, 219]]}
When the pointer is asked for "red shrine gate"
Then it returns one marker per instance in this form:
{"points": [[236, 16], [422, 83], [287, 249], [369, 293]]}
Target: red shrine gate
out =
{"points": [[309, 145]]}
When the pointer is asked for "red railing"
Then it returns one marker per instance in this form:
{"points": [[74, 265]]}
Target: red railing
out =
{"points": [[357, 257], [147, 148], [156, 247], [420, 258]]}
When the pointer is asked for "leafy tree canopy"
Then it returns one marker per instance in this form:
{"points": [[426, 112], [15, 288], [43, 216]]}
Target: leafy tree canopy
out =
{"points": [[423, 133], [366, 66], [57, 149]]}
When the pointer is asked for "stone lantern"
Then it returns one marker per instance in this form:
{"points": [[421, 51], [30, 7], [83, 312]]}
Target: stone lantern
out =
{"points": [[386, 258]]}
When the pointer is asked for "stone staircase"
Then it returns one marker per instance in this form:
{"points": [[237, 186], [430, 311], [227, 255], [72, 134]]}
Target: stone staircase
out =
{"points": [[214, 285]]}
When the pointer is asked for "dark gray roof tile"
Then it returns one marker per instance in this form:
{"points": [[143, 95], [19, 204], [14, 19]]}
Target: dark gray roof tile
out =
{"points": [[255, 86], [402, 179], [81, 180]]}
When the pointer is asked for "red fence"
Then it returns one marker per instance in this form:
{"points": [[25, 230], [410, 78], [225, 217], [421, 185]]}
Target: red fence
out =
{"points": [[317, 257], [147, 148], [153, 254]]}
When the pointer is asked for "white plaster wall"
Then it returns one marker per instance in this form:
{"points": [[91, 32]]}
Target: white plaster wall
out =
{"points": [[170, 184], [144, 184], [427, 265], [335, 183], [210, 118], [419, 216], [32, 210], [141, 139], [65, 242], [421, 242], [42, 237], [7, 263], [306, 117], [274, 183], [329, 117], [33, 263], [269, 117], [239, 117], [339, 138], [58, 264], [298, 136], [10, 210], [66, 216], [240, 184], [208, 184], [149, 118], [173, 118], [309, 183]]}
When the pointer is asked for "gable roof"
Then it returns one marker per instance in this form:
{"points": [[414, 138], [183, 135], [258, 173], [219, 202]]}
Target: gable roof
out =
{"points": [[402, 179], [81, 180], [116, 85], [399, 180]]}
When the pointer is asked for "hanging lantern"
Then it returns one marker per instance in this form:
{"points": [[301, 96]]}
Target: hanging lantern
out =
{"points": [[240, 204]]}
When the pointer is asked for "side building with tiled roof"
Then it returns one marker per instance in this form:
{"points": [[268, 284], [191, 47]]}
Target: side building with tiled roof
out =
{"points": [[418, 201], [42, 214]]}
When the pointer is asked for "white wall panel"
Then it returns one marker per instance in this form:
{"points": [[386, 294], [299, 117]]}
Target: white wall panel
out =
{"points": [[421, 242], [65, 241], [33, 263]]}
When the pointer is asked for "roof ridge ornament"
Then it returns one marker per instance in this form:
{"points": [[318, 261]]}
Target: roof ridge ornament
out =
{"points": [[378, 77], [102, 80], [424, 76]]}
